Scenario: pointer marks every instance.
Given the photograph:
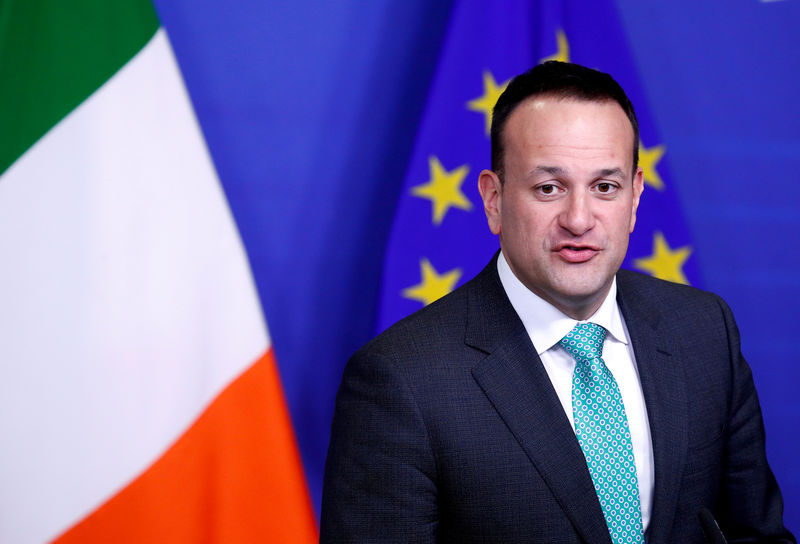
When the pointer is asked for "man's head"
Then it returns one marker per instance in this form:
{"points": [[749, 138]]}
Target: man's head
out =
{"points": [[560, 80], [564, 202]]}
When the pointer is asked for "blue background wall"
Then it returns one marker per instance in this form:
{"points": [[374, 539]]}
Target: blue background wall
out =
{"points": [[311, 111]]}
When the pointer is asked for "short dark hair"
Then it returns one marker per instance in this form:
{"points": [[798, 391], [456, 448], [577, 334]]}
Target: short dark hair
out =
{"points": [[561, 80]]}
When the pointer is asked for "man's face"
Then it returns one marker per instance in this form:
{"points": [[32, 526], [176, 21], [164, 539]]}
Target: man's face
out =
{"points": [[568, 201]]}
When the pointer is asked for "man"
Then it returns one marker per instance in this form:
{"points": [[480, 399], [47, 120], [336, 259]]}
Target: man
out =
{"points": [[554, 398]]}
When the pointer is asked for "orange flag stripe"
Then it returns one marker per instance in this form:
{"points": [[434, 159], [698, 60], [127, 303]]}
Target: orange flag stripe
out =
{"points": [[234, 476]]}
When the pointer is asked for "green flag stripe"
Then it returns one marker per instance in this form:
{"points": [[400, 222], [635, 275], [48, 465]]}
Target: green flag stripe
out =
{"points": [[54, 54]]}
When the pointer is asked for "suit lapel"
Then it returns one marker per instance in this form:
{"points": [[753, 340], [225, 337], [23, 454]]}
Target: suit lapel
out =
{"points": [[517, 385], [664, 388]]}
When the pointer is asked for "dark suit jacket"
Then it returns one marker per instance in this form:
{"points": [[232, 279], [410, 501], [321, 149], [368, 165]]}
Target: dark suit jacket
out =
{"points": [[447, 428]]}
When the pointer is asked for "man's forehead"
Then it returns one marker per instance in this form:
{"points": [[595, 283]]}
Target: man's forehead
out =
{"points": [[540, 115]]}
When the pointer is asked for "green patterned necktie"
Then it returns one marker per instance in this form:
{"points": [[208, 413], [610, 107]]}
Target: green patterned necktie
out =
{"points": [[602, 429]]}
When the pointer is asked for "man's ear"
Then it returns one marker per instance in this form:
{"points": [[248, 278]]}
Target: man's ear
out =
{"points": [[638, 187], [491, 190]]}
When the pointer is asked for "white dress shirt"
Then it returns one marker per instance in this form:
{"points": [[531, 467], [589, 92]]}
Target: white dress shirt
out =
{"points": [[546, 326]]}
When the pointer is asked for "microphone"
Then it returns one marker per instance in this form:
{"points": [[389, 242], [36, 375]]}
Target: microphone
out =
{"points": [[710, 527]]}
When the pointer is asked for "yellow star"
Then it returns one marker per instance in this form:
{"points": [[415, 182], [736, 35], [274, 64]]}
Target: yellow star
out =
{"points": [[443, 189], [563, 48], [648, 159], [433, 285], [485, 104], [665, 263]]}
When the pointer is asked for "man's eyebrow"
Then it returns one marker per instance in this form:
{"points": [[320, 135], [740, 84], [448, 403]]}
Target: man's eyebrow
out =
{"points": [[610, 173], [558, 171], [552, 170]]}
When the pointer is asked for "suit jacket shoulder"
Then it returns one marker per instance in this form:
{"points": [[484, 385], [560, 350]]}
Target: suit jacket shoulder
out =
{"points": [[672, 301], [477, 313]]}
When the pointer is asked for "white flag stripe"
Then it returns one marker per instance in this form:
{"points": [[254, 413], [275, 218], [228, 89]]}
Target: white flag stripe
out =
{"points": [[126, 300]]}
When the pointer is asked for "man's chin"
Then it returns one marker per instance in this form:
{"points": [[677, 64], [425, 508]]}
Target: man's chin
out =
{"points": [[582, 294]]}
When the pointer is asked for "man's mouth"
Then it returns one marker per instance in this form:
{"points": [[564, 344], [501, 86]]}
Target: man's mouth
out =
{"points": [[576, 253]]}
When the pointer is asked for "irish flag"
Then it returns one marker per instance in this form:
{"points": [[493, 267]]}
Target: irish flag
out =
{"points": [[139, 398]]}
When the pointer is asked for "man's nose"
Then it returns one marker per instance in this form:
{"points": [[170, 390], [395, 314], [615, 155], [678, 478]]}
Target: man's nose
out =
{"points": [[577, 216]]}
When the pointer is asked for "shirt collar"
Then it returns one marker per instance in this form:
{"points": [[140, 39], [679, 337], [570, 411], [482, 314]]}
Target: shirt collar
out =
{"points": [[546, 324]]}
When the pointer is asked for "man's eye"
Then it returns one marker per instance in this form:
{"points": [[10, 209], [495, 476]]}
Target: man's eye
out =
{"points": [[605, 188], [547, 189]]}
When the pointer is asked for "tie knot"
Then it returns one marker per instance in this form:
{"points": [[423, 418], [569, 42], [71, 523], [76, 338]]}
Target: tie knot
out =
{"points": [[585, 341]]}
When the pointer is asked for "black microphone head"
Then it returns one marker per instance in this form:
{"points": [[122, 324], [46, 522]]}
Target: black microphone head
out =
{"points": [[710, 527]]}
